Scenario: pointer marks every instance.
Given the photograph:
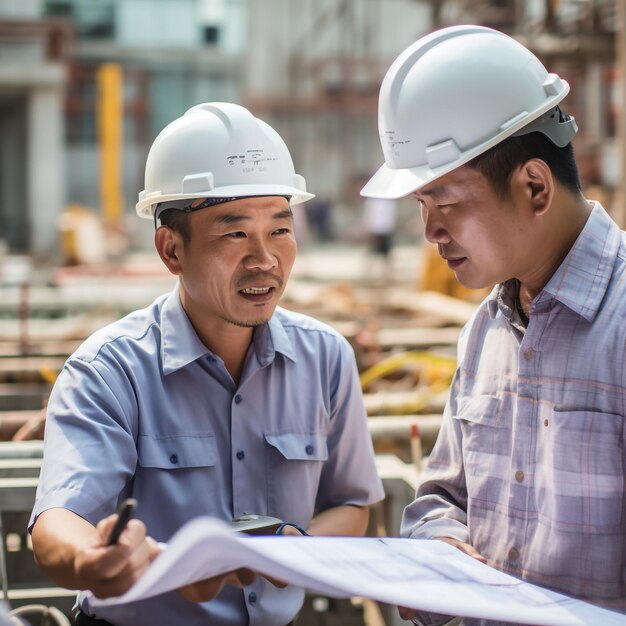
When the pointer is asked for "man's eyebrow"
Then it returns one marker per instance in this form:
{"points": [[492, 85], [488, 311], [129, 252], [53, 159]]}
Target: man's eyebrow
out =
{"points": [[433, 191], [233, 218], [284, 213]]}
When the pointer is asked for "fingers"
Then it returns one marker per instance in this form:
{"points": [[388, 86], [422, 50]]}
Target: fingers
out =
{"points": [[405, 613], [465, 547], [111, 570], [203, 590], [277, 583], [245, 576]]}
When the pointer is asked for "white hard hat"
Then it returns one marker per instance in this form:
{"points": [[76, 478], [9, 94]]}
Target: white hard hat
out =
{"points": [[216, 150], [454, 94]]}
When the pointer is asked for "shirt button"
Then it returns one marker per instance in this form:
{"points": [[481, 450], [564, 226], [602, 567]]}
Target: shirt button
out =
{"points": [[240, 455], [252, 597], [519, 476], [211, 359], [309, 449], [238, 399], [513, 554], [529, 353], [545, 422], [174, 459]]}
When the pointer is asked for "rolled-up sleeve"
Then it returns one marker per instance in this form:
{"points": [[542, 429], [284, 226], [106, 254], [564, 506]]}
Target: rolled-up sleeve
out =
{"points": [[90, 454], [439, 508]]}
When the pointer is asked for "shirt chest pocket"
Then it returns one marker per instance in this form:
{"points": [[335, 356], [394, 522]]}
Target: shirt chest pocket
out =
{"points": [[580, 477], [299, 446], [176, 452], [486, 425], [294, 464]]}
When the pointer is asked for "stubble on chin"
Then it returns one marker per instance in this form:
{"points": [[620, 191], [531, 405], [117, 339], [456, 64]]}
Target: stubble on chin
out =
{"points": [[249, 323]]}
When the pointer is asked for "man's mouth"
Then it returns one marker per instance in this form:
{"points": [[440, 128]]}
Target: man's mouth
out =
{"points": [[258, 295], [255, 290], [455, 262]]}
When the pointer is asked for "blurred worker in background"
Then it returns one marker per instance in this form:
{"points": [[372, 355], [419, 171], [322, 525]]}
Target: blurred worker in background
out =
{"points": [[211, 401], [379, 219], [528, 470]]}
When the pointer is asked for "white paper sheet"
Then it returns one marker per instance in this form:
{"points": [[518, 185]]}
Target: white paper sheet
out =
{"points": [[426, 575]]}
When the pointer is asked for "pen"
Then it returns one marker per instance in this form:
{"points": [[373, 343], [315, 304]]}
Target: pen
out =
{"points": [[124, 512]]}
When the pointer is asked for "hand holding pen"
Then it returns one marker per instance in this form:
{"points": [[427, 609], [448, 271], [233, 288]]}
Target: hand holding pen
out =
{"points": [[118, 554]]}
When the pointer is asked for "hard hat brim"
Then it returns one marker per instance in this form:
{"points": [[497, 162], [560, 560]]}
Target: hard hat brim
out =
{"points": [[145, 207], [390, 184]]}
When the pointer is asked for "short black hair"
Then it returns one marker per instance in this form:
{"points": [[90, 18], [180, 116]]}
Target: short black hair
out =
{"points": [[498, 163], [178, 221]]}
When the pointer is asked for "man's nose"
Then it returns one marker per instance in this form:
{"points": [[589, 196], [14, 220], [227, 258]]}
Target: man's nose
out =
{"points": [[435, 229], [260, 255]]}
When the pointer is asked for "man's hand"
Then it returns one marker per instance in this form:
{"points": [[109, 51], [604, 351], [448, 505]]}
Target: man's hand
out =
{"points": [[75, 555], [409, 614], [465, 547], [205, 590], [111, 570]]}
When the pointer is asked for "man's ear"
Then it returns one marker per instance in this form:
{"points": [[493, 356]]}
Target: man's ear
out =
{"points": [[169, 244], [536, 182]]}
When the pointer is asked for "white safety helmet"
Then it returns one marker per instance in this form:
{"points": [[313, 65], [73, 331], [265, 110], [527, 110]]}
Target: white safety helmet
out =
{"points": [[218, 150], [454, 94]]}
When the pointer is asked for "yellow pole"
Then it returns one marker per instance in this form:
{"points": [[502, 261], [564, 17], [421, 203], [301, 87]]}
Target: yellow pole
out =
{"points": [[109, 80]]}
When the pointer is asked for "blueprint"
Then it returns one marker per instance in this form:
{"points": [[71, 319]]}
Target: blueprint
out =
{"points": [[420, 574]]}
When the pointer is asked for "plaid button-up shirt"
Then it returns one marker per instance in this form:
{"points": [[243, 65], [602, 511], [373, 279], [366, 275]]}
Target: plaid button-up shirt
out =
{"points": [[529, 465]]}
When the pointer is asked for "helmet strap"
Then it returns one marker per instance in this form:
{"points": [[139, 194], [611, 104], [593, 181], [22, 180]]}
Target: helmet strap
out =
{"points": [[557, 126]]}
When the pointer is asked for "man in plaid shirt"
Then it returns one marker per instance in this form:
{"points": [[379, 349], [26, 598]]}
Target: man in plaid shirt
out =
{"points": [[528, 470]]}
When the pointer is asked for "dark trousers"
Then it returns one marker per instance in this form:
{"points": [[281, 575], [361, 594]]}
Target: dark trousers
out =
{"points": [[83, 619]]}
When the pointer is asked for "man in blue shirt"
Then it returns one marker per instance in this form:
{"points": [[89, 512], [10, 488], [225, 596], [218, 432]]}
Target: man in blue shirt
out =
{"points": [[211, 401]]}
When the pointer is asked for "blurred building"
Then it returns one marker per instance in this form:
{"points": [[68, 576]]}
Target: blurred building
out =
{"points": [[172, 55], [33, 71], [312, 68]]}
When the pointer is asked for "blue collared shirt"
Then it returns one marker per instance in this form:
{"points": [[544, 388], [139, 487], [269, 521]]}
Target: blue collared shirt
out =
{"points": [[529, 465], [143, 408]]}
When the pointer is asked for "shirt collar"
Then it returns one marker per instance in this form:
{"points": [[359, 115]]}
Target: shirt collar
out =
{"points": [[581, 280], [180, 345], [271, 338]]}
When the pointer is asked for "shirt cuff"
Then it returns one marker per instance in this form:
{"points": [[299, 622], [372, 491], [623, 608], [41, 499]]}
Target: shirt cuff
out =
{"points": [[438, 528]]}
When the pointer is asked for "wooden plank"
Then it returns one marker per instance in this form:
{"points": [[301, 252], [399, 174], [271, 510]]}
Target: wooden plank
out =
{"points": [[30, 368], [39, 347], [21, 449], [449, 309], [17, 494], [20, 468], [416, 338], [383, 428], [404, 402]]}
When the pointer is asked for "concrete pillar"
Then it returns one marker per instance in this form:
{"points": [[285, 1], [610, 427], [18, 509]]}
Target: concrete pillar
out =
{"points": [[46, 168]]}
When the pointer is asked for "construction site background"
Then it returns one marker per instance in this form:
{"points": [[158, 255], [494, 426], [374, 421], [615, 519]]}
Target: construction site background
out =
{"points": [[85, 86]]}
